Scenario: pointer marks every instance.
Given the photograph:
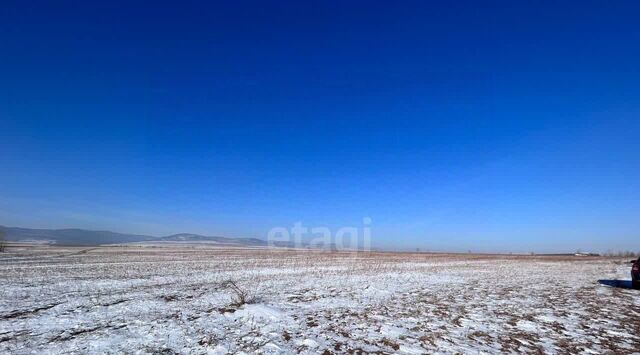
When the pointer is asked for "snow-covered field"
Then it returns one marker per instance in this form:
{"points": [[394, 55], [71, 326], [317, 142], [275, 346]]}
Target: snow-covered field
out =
{"points": [[174, 300]]}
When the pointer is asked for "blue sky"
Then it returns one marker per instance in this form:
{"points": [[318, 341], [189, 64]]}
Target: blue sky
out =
{"points": [[505, 126]]}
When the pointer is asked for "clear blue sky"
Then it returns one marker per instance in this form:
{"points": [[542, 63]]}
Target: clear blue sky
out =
{"points": [[503, 126]]}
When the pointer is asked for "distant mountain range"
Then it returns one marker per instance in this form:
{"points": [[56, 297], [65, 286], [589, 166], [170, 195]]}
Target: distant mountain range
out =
{"points": [[89, 237]]}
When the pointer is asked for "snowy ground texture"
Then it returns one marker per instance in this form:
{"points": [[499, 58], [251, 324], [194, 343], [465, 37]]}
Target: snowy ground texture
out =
{"points": [[173, 300]]}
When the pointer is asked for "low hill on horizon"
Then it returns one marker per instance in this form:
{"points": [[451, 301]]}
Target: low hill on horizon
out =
{"points": [[77, 236]]}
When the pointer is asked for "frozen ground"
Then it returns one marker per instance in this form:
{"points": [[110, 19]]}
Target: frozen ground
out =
{"points": [[172, 300]]}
